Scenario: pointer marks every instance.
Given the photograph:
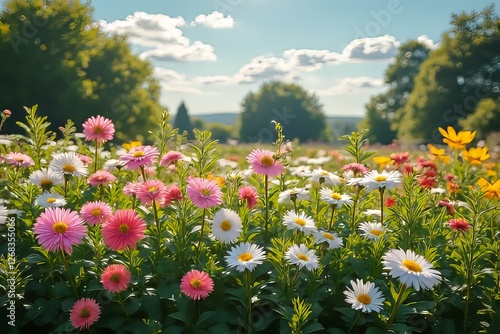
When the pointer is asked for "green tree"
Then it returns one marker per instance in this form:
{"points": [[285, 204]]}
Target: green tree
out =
{"points": [[221, 132], [383, 111], [61, 61], [299, 112], [464, 70], [485, 119], [183, 121]]}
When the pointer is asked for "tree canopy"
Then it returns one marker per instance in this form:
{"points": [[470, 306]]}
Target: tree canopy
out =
{"points": [[183, 121], [57, 58], [299, 112]]}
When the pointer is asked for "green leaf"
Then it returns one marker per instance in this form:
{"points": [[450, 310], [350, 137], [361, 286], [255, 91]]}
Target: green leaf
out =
{"points": [[35, 258], [61, 290], [373, 330], [132, 305], [312, 327], [151, 304], [206, 319]]}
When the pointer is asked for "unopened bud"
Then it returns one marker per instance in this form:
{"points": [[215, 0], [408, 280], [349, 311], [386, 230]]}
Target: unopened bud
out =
{"points": [[6, 113]]}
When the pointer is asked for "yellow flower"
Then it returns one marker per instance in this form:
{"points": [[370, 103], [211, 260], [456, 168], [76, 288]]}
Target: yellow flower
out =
{"points": [[382, 161], [221, 182], [476, 155], [128, 146], [491, 190], [439, 153], [457, 140]]}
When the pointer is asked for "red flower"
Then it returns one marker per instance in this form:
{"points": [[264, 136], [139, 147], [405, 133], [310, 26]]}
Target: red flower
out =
{"points": [[390, 201], [459, 224]]}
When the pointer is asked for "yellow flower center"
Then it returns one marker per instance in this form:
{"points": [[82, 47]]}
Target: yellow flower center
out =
{"points": [[45, 183], [380, 178], [328, 236], [336, 196], [244, 257], [412, 266], [300, 221], [138, 154], [303, 257], [51, 200], [324, 173], [225, 225], [68, 168], [60, 227], [205, 192], [364, 298], [96, 212], [267, 161], [152, 189], [85, 313], [376, 232], [123, 228], [195, 283]]}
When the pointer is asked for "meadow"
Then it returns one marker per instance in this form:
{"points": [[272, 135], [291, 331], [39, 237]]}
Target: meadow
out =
{"points": [[198, 237]]}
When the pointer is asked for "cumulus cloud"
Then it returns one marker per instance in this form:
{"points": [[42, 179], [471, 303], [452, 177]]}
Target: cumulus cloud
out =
{"points": [[173, 81], [425, 40], [215, 20], [372, 48], [161, 36], [352, 85]]}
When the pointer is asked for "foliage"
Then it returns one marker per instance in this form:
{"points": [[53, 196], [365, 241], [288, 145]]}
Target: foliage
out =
{"points": [[64, 63], [486, 118], [183, 121], [298, 111], [459, 74], [277, 296], [221, 132]]}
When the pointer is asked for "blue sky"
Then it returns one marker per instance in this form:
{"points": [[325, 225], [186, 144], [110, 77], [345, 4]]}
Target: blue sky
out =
{"points": [[211, 53]]}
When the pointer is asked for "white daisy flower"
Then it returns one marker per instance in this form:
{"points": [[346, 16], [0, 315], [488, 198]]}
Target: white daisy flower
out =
{"points": [[331, 238], [302, 256], [226, 226], [354, 181], [4, 213], [322, 176], [50, 200], [245, 256], [364, 296], [372, 231], [375, 180], [372, 212], [290, 195], [301, 171], [46, 178], [300, 222], [410, 269], [331, 197], [68, 164], [438, 191]]}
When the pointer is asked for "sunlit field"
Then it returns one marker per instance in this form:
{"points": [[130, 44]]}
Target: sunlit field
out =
{"points": [[177, 236]]}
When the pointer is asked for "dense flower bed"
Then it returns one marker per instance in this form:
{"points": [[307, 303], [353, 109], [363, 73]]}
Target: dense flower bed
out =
{"points": [[175, 237]]}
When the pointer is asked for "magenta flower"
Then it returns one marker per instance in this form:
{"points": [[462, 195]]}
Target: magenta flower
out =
{"points": [[124, 229], [115, 278], [58, 228], [84, 313], [248, 194], [101, 177], [203, 193], [99, 129], [197, 284], [151, 190], [139, 156], [19, 159], [171, 157], [96, 212], [263, 162], [356, 167], [459, 224]]}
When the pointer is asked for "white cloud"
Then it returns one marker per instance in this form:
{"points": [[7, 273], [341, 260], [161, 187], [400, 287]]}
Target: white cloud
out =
{"points": [[215, 20], [425, 40], [161, 35], [372, 48], [173, 81], [351, 85]]}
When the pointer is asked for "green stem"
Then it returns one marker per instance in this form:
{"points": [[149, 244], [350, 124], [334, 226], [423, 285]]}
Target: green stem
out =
{"points": [[266, 203], [95, 156], [470, 274], [248, 288], [354, 322], [354, 207], [201, 233], [68, 272], [381, 190], [158, 230], [397, 303], [330, 225], [294, 281]]}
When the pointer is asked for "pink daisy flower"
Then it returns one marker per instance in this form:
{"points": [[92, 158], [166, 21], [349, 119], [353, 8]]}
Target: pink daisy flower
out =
{"points": [[58, 228], [203, 193], [99, 129], [96, 212], [139, 156], [101, 177], [115, 278], [459, 224], [84, 313], [197, 284], [131, 188], [356, 167], [19, 159], [263, 162], [85, 159], [124, 228], [248, 194], [171, 157], [173, 193], [151, 190]]}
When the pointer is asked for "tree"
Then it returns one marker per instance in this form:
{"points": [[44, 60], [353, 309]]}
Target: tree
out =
{"points": [[383, 111], [464, 70], [221, 132], [183, 121], [61, 61], [485, 119], [299, 113]]}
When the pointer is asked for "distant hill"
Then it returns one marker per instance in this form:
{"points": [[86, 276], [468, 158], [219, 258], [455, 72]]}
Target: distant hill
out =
{"points": [[229, 118]]}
